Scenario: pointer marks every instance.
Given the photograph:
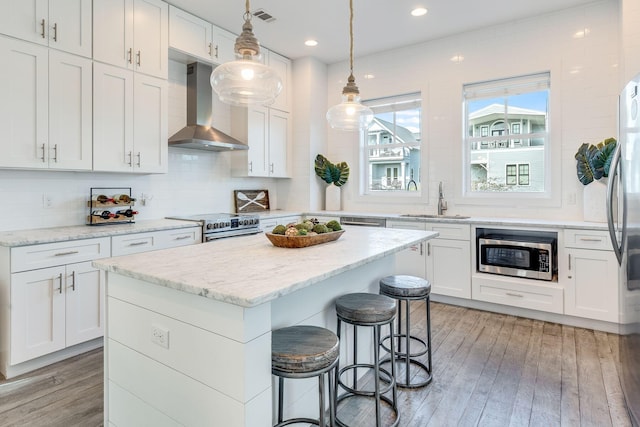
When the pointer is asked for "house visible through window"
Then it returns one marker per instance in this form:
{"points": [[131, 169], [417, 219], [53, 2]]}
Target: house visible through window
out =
{"points": [[507, 134], [517, 174], [391, 152]]}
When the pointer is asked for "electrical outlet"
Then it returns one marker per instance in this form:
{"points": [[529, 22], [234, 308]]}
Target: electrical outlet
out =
{"points": [[160, 336], [47, 200]]}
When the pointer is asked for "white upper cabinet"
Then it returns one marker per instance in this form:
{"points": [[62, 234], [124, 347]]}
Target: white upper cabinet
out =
{"points": [[223, 45], [268, 134], [130, 121], [190, 34], [132, 34], [60, 24], [199, 39], [282, 66], [45, 111]]}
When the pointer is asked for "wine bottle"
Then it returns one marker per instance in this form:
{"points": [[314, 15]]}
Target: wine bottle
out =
{"points": [[127, 212], [103, 214]]}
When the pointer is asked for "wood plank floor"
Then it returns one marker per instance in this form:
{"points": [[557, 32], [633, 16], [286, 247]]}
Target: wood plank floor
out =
{"points": [[489, 370]]}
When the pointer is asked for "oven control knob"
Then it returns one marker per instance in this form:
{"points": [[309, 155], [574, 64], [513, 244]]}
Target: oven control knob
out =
{"points": [[209, 226], [227, 224]]}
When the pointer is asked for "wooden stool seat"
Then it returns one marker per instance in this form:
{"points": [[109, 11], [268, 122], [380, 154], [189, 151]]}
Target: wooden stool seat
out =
{"points": [[303, 349], [403, 286], [365, 309]]}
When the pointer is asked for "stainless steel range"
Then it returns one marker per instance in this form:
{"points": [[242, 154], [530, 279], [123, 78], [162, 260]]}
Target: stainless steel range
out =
{"points": [[219, 225]]}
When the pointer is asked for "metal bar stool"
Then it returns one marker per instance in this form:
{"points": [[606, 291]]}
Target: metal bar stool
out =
{"points": [[363, 309], [305, 352], [406, 289]]}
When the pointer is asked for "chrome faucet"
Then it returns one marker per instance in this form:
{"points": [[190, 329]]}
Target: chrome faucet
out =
{"points": [[442, 204]]}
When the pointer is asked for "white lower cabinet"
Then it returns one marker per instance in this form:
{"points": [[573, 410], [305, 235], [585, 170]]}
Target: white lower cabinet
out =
{"points": [[444, 261], [588, 269], [54, 308], [267, 224], [55, 298]]}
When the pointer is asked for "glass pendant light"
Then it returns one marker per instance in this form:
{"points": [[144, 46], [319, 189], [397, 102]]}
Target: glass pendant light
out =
{"points": [[350, 114], [246, 80]]}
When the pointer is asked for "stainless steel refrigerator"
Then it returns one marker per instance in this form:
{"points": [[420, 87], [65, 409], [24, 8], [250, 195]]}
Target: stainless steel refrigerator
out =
{"points": [[623, 203]]}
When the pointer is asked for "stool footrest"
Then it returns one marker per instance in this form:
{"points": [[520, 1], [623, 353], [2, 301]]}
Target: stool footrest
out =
{"points": [[401, 353], [389, 380], [428, 376]]}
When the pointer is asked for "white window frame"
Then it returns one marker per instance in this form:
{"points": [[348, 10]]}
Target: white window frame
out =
{"points": [[391, 103], [496, 88]]}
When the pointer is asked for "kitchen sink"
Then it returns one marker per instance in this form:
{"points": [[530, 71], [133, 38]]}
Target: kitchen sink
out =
{"points": [[435, 216]]}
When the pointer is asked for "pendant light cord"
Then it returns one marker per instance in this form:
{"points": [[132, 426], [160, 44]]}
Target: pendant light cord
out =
{"points": [[350, 36]]}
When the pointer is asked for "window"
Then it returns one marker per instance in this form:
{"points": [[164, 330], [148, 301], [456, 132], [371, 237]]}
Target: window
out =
{"points": [[517, 174], [506, 137], [391, 152]]}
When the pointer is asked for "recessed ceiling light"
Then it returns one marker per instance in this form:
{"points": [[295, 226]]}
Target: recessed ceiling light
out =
{"points": [[311, 42], [419, 11], [369, 76], [457, 58], [581, 34]]}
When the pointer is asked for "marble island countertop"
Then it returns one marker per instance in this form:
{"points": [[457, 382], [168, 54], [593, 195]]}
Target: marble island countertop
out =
{"points": [[249, 270]]}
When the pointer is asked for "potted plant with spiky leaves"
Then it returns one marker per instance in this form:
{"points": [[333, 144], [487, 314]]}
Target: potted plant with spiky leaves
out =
{"points": [[336, 174]]}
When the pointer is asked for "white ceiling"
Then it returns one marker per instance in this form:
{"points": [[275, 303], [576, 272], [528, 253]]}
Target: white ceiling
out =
{"points": [[378, 24]]}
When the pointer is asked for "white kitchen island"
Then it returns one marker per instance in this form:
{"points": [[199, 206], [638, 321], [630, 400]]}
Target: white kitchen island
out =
{"points": [[188, 336]]}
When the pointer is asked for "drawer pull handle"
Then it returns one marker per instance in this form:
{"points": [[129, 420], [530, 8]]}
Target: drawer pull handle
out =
{"points": [[591, 239], [511, 294], [66, 253], [138, 243], [182, 237]]}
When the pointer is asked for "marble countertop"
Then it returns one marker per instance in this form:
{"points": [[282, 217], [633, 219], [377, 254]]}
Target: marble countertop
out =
{"points": [[249, 270], [37, 236]]}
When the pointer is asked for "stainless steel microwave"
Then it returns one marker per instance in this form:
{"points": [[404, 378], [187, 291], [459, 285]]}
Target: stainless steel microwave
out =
{"points": [[533, 257]]}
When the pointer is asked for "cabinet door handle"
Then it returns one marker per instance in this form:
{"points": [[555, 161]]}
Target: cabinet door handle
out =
{"points": [[138, 58], [66, 253], [130, 55], [73, 280], [55, 153], [139, 156], [271, 168], [250, 166], [60, 281], [43, 153], [210, 49], [216, 51], [55, 32], [42, 26], [421, 248], [130, 158], [511, 294], [569, 262]]}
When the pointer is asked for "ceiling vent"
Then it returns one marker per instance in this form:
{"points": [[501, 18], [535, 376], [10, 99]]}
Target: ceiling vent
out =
{"points": [[267, 17]]}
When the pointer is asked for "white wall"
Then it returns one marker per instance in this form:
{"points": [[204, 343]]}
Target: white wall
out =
{"points": [[197, 182], [585, 83]]}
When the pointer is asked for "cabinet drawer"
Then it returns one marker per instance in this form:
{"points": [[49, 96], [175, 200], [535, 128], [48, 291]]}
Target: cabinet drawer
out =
{"points": [[587, 239], [181, 237], [52, 254], [519, 294], [451, 231], [135, 243]]}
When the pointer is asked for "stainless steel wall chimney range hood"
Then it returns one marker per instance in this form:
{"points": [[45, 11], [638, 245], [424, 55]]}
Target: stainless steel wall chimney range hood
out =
{"points": [[199, 134]]}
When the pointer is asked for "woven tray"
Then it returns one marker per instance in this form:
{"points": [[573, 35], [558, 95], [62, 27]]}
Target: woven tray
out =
{"points": [[302, 241]]}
